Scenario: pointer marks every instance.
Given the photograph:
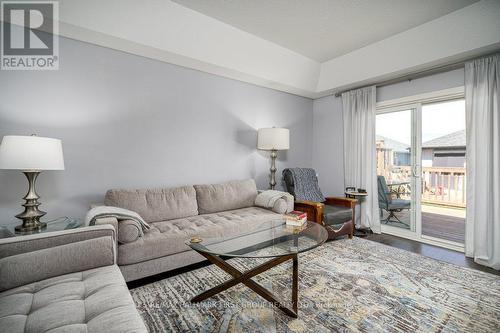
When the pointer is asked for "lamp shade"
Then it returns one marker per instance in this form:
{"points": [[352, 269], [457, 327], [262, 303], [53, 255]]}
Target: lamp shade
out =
{"points": [[31, 153], [273, 138]]}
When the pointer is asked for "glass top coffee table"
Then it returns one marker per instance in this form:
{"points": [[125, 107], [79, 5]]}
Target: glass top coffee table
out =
{"points": [[276, 241], [60, 223]]}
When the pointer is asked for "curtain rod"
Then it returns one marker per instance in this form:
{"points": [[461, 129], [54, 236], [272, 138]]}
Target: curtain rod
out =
{"points": [[417, 75], [409, 77]]}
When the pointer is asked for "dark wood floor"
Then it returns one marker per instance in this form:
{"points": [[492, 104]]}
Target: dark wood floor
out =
{"points": [[431, 251], [443, 226]]}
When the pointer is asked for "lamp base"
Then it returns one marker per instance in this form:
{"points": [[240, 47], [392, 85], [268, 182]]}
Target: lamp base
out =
{"points": [[31, 215], [30, 226], [272, 181]]}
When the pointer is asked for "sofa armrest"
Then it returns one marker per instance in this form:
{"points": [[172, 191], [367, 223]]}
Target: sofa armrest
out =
{"points": [[263, 201], [112, 221], [105, 220], [31, 258], [314, 210], [341, 201]]}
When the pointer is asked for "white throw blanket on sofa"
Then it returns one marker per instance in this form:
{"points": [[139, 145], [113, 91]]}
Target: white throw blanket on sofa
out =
{"points": [[267, 199], [116, 212]]}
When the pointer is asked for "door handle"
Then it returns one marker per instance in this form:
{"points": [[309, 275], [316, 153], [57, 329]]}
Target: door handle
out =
{"points": [[415, 171]]}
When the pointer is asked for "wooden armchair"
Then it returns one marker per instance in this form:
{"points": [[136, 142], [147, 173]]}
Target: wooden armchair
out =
{"points": [[337, 214], [316, 211]]}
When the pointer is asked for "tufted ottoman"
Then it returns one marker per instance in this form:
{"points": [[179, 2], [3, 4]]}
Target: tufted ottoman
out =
{"points": [[64, 282]]}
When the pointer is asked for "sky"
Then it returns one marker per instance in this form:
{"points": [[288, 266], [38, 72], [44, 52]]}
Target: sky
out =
{"points": [[438, 119]]}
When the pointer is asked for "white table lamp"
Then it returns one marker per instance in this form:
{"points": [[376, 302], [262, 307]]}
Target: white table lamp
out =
{"points": [[273, 139], [31, 154]]}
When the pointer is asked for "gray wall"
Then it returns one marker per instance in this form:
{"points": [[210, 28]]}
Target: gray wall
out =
{"points": [[328, 129], [131, 122], [328, 141], [423, 85]]}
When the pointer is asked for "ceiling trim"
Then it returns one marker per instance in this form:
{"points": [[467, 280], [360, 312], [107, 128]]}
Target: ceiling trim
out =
{"points": [[465, 33], [168, 32], [127, 46]]}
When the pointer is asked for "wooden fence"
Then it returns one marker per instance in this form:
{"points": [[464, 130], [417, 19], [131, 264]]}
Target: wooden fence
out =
{"points": [[440, 185]]}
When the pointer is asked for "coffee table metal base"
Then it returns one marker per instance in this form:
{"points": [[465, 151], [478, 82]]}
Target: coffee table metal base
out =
{"points": [[245, 278]]}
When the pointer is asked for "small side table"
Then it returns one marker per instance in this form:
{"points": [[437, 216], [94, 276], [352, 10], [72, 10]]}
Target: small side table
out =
{"points": [[355, 194], [61, 223], [360, 196]]}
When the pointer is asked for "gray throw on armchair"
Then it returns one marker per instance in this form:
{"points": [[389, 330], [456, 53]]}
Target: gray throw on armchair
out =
{"points": [[304, 184], [335, 213]]}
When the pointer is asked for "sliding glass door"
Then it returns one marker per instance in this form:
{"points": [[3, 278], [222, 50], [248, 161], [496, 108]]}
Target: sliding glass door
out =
{"points": [[396, 172], [421, 171], [443, 153]]}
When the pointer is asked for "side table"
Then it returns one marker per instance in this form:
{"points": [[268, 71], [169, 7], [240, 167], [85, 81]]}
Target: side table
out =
{"points": [[60, 223], [359, 196]]}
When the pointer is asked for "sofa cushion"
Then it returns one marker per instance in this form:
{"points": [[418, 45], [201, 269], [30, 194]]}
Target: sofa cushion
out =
{"points": [[225, 196], [129, 231], [280, 206], [96, 300], [169, 237], [155, 205]]}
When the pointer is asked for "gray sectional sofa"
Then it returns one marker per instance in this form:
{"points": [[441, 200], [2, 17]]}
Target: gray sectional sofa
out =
{"points": [[65, 281], [177, 214], [69, 281]]}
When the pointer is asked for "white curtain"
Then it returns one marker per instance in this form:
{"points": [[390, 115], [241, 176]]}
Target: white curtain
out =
{"points": [[482, 96], [360, 152]]}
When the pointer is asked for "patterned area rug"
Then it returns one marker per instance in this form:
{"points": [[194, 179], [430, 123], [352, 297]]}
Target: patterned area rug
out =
{"points": [[345, 286]]}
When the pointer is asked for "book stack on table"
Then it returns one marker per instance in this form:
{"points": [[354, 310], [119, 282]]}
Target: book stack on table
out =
{"points": [[296, 218]]}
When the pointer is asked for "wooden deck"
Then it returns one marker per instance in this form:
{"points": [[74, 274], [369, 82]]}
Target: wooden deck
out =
{"points": [[446, 227], [443, 226]]}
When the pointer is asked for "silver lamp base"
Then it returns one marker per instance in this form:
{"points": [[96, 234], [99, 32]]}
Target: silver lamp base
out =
{"points": [[31, 215], [272, 182]]}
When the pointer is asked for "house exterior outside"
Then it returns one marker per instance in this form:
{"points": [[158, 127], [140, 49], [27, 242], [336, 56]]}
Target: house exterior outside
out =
{"points": [[396, 153], [443, 166], [445, 151]]}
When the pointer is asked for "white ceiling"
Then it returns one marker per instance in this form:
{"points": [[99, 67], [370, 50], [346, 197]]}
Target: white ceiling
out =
{"points": [[170, 32], [324, 29]]}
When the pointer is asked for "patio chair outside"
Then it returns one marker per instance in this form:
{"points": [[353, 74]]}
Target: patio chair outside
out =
{"points": [[390, 204]]}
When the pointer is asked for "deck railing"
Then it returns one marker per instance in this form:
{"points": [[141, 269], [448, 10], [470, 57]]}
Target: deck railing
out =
{"points": [[440, 185]]}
